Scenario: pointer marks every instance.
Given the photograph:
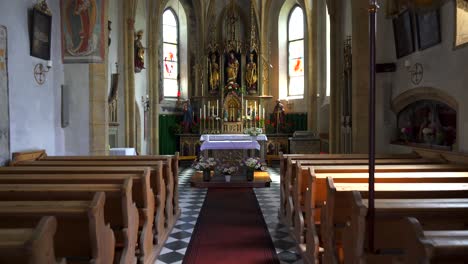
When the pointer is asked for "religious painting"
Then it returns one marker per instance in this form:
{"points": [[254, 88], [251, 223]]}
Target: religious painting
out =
{"points": [[403, 32], [83, 28], [232, 69], [428, 122], [461, 25], [4, 101], [251, 72], [428, 24], [41, 25], [213, 73]]}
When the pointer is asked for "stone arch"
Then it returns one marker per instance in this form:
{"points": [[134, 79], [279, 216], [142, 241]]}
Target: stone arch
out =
{"points": [[422, 93]]}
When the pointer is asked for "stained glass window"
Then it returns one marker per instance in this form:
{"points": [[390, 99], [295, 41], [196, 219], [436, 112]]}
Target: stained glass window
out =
{"points": [[170, 54], [296, 53]]}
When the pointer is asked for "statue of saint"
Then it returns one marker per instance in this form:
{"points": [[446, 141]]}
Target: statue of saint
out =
{"points": [[251, 73], [232, 68], [188, 116], [139, 52], [214, 73], [279, 112]]}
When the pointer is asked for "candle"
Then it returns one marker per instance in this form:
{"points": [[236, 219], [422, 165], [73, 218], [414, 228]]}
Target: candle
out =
{"points": [[263, 113], [217, 108], [200, 117], [255, 107], [209, 108], [246, 106], [204, 111], [259, 111], [212, 111]]}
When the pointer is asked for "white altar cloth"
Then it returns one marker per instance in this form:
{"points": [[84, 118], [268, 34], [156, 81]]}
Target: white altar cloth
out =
{"points": [[232, 137], [231, 141], [122, 152]]}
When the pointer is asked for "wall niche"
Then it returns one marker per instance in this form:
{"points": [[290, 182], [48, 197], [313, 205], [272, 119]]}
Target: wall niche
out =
{"points": [[428, 123]]}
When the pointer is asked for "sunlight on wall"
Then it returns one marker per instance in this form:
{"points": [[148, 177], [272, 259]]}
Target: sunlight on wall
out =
{"points": [[462, 23]]}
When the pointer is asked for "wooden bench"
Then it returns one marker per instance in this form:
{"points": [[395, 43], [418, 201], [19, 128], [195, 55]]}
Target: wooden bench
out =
{"points": [[142, 195], [438, 214], [82, 234], [289, 159], [300, 186], [30, 245], [432, 246], [334, 217], [291, 175], [120, 211], [19, 157], [165, 196]]}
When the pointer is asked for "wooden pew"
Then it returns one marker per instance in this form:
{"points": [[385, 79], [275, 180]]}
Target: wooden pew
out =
{"points": [[30, 245], [287, 163], [291, 175], [19, 157], [142, 194], [82, 234], [432, 246], [166, 197], [300, 185], [120, 211], [311, 193], [334, 217], [437, 214]]}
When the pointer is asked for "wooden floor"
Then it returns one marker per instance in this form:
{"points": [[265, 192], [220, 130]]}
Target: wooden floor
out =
{"points": [[261, 179]]}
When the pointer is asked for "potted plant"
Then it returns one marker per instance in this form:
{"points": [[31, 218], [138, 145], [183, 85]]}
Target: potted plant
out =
{"points": [[253, 131], [228, 171], [251, 165], [205, 165]]}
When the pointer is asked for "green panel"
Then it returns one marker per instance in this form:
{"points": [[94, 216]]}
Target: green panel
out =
{"points": [[294, 122], [167, 137]]}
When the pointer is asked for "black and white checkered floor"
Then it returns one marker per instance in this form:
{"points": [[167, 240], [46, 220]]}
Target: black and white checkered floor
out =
{"points": [[191, 201]]}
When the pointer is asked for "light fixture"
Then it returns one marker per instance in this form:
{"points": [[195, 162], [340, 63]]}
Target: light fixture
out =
{"points": [[416, 71], [40, 72]]}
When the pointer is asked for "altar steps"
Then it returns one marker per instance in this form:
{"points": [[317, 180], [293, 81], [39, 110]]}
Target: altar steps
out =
{"points": [[261, 179]]}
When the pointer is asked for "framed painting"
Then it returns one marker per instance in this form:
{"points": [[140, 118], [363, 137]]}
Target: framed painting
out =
{"points": [[428, 25], [83, 30], [4, 102], [403, 33], [461, 24], [41, 26]]}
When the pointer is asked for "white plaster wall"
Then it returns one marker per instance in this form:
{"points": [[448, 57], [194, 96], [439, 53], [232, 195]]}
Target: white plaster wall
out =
{"points": [[141, 78], [77, 140], [34, 109], [444, 69]]}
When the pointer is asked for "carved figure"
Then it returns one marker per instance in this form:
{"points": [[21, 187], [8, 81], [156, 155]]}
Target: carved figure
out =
{"points": [[251, 73], [139, 52], [232, 68], [214, 73]]}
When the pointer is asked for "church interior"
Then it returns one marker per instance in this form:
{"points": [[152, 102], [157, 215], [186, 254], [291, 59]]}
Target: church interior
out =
{"points": [[234, 131]]}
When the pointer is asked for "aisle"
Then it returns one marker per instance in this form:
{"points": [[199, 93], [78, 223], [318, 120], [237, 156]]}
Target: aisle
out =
{"points": [[231, 230], [191, 201]]}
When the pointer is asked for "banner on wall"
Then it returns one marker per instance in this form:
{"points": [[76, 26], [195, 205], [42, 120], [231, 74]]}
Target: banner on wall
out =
{"points": [[83, 27], [4, 102]]}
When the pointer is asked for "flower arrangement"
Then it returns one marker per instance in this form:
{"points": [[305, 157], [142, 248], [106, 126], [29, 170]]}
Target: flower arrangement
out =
{"points": [[252, 163], [253, 131], [204, 164], [229, 170]]}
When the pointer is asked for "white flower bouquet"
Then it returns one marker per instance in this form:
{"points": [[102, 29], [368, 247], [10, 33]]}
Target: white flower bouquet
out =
{"points": [[253, 131], [204, 163], [229, 170], [252, 163]]}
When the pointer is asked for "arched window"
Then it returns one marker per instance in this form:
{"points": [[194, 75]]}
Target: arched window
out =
{"points": [[171, 54], [296, 53]]}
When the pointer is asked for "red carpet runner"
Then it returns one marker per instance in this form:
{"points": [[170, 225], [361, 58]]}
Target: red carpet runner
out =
{"points": [[230, 229]]}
